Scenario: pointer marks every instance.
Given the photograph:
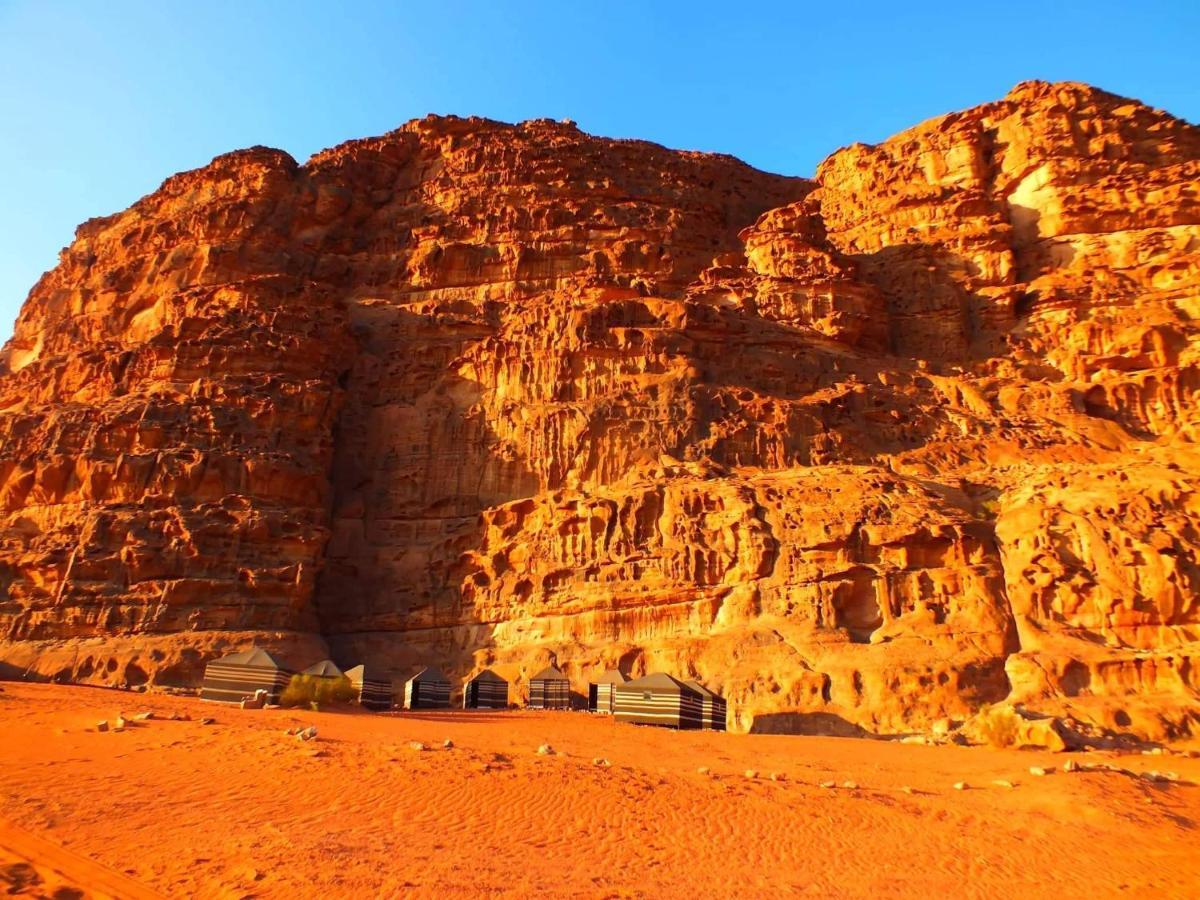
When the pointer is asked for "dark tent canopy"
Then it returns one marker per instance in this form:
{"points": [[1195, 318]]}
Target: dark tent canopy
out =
{"points": [[487, 690], [374, 692], [658, 699], [549, 689], [428, 689], [600, 691], [324, 669], [255, 657], [712, 705], [236, 677]]}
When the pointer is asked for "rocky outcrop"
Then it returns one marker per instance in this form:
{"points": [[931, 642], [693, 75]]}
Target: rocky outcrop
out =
{"points": [[866, 453]]}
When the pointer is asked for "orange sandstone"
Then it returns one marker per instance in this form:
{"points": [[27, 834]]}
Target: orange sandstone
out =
{"points": [[863, 453]]}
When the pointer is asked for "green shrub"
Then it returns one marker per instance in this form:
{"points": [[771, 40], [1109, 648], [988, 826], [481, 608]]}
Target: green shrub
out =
{"points": [[315, 690]]}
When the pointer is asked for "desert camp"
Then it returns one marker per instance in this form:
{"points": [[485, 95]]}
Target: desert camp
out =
{"points": [[713, 709], [654, 699], [374, 692], [233, 678], [428, 689], [600, 691], [658, 699], [326, 668], [487, 690], [549, 689]]}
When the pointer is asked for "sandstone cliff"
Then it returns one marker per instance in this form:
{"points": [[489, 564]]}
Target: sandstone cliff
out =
{"points": [[863, 452]]}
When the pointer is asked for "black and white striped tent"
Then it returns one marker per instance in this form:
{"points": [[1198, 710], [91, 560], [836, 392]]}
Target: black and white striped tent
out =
{"points": [[658, 699], [373, 691], [600, 691], [236, 677], [487, 690], [713, 706], [428, 689], [549, 689], [324, 669]]}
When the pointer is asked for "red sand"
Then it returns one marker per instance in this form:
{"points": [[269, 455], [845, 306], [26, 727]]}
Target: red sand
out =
{"points": [[238, 808]]}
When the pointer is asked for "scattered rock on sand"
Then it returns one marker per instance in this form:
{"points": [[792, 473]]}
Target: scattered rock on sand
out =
{"points": [[208, 721], [750, 773], [850, 785], [960, 785], [1038, 770], [828, 784], [143, 716], [778, 776], [102, 725], [447, 744], [416, 745], [1001, 782], [601, 761], [307, 734], [120, 722], [1070, 766], [703, 770], [906, 790], [545, 750]]}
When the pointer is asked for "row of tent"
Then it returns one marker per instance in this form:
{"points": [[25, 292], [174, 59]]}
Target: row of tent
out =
{"points": [[655, 699]]}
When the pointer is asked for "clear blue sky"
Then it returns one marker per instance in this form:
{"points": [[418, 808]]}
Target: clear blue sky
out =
{"points": [[100, 101]]}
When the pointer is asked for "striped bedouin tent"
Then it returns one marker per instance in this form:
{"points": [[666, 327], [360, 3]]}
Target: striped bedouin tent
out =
{"points": [[713, 705], [324, 669], [658, 699], [487, 690], [236, 677], [600, 691], [428, 689], [549, 689], [374, 692]]}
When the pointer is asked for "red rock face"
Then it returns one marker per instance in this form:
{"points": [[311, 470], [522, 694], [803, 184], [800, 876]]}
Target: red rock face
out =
{"points": [[865, 452]]}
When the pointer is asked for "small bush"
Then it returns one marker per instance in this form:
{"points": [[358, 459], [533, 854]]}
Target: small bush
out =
{"points": [[315, 690], [997, 726]]}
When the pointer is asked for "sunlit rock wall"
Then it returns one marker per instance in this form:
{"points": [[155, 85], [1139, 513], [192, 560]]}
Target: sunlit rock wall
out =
{"points": [[864, 453]]}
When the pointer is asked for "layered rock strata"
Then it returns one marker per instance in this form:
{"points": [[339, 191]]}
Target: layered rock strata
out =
{"points": [[864, 453]]}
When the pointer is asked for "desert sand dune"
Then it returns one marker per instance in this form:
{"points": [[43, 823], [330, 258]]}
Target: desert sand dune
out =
{"points": [[33, 866], [240, 808]]}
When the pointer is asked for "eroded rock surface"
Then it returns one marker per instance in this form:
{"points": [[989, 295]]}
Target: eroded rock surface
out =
{"points": [[863, 453]]}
